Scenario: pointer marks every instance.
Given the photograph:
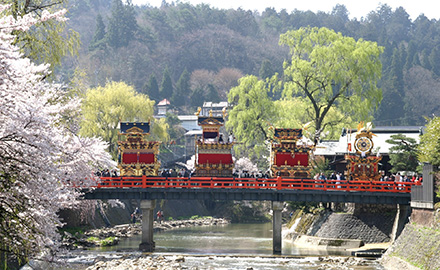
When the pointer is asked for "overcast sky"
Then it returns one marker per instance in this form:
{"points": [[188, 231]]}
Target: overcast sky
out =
{"points": [[356, 8]]}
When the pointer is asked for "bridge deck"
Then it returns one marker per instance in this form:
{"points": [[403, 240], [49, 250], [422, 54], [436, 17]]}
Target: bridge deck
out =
{"points": [[272, 189]]}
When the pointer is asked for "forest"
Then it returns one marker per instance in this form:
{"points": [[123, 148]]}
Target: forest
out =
{"points": [[194, 53]]}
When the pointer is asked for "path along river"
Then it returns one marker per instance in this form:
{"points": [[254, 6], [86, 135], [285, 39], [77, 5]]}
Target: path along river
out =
{"points": [[232, 246]]}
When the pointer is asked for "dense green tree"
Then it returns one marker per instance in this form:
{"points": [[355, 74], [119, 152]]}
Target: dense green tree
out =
{"points": [[166, 86], [411, 55], [271, 21], [175, 130], [434, 59], [197, 97], [399, 26], [429, 148], [403, 153], [332, 70], [266, 70], [201, 37], [391, 107], [182, 89], [98, 40], [151, 88], [242, 21], [212, 93], [122, 24], [251, 116], [296, 113], [104, 107]]}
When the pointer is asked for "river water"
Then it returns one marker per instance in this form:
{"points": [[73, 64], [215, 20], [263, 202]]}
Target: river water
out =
{"points": [[232, 246]]}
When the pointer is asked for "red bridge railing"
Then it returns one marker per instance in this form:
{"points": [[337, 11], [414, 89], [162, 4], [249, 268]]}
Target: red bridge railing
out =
{"points": [[253, 183]]}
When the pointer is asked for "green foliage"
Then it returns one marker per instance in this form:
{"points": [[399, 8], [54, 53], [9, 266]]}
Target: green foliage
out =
{"points": [[104, 107], [182, 89], [198, 37], [429, 148], [212, 93], [47, 42], [294, 113], [331, 70], [403, 153], [266, 70], [198, 97], [166, 87], [175, 130], [98, 40], [321, 165], [93, 239], [122, 24], [151, 88], [109, 241], [252, 114]]}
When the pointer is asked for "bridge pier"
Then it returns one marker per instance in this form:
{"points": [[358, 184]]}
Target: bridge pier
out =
{"points": [[147, 208], [277, 226], [403, 212]]}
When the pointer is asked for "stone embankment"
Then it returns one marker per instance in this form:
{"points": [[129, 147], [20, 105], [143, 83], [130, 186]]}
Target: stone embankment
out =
{"points": [[368, 224], [418, 247], [110, 236]]}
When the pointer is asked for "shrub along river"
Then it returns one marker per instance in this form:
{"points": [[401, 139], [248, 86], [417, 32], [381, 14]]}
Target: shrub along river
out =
{"points": [[232, 246]]}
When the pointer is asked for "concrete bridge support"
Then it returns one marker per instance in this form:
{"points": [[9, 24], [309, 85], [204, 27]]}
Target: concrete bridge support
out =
{"points": [[403, 212], [277, 226], [147, 208]]}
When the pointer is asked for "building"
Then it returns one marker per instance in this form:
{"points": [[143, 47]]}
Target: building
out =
{"points": [[335, 151], [163, 107]]}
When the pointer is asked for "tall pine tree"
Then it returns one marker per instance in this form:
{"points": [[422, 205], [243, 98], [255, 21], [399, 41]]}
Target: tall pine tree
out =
{"points": [[98, 37], [122, 24], [166, 87], [151, 88], [182, 89]]}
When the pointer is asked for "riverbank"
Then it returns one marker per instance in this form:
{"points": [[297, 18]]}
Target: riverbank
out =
{"points": [[417, 247], [230, 262], [111, 236]]}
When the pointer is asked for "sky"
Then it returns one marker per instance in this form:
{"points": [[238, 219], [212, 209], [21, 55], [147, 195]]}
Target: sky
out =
{"points": [[356, 8]]}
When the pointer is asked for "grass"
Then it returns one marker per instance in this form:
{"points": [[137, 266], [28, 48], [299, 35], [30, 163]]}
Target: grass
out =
{"points": [[109, 241]]}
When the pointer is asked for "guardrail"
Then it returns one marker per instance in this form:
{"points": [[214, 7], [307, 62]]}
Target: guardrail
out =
{"points": [[253, 183]]}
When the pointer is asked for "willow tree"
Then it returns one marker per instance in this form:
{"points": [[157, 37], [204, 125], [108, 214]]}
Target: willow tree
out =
{"points": [[252, 114], [48, 41], [331, 70], [104, 107], [291, 115]]}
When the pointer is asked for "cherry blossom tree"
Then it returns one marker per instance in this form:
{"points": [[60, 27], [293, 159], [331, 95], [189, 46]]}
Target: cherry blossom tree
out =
{"points": [[41, 158]]}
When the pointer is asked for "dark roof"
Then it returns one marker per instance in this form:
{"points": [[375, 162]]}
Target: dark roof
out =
{"points": [[144, 126], [395, 129]]}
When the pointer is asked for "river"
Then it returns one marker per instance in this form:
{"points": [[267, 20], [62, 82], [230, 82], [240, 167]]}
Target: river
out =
{"points": [[232, 246]]}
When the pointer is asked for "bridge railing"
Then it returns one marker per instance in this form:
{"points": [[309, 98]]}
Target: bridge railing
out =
{"points": [[253, 183]]}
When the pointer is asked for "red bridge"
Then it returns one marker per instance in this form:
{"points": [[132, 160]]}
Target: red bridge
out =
{"points": [[272, 189], [253, 183]]}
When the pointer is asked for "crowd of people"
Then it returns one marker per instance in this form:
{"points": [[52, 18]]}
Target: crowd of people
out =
{"points": [[185, 173], [390, 177], [107, 173]]}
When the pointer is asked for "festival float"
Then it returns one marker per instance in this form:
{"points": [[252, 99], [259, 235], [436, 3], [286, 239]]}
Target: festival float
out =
{"points": [[213, 152], [363, 166], [136, 155], [290, 158]]}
